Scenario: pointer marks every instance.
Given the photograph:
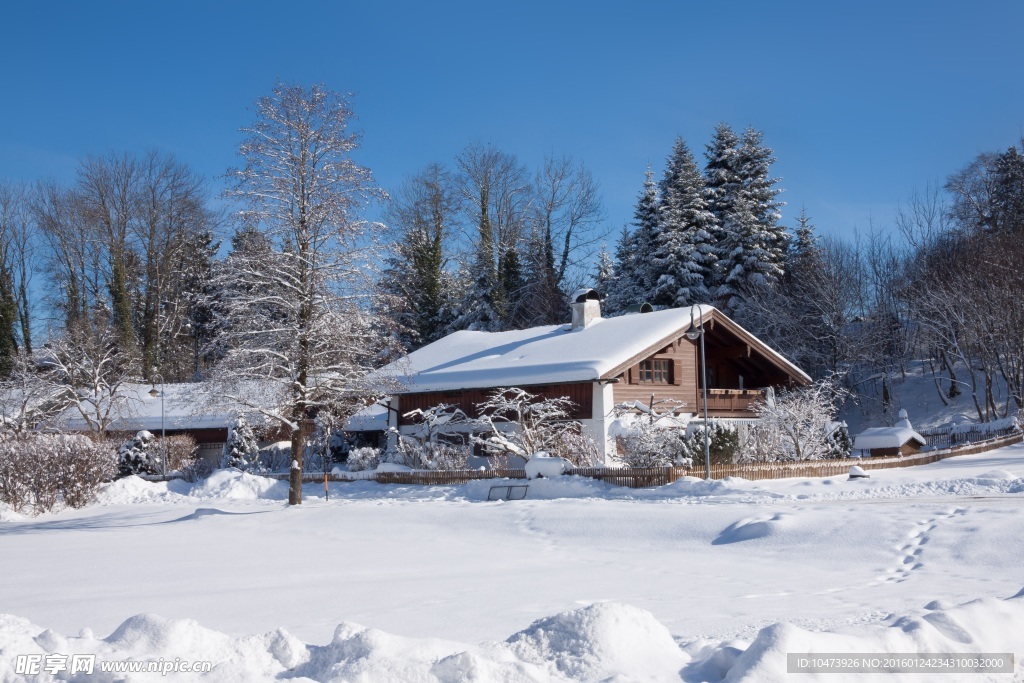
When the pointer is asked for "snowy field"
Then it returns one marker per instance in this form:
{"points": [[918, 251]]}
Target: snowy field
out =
{"points": [[692, 581]]}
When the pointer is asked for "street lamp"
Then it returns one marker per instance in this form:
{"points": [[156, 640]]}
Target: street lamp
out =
{"points": [[692, 334], [163, 432]]}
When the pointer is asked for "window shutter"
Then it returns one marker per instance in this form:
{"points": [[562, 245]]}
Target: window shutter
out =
{"points": [[633, 375], [677, 371]]}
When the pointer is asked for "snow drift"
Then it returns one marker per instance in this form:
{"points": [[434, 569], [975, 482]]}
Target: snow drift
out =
{"points": [[600, 642]]}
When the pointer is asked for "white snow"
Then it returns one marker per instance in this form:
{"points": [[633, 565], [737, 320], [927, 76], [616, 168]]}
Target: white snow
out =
{"points": [[886, 437], [543, 465], [581, 581]]}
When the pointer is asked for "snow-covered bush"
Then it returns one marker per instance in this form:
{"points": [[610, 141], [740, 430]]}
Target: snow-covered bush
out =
{"points": [[794, 424], [138, 455], [435, 443], [647, 445], [723, 443], [39, 470], [181, 452], [534, 423], [579, 449], [242, 449], [365, 458], [651, 435], [425, 455], [840, 445]]}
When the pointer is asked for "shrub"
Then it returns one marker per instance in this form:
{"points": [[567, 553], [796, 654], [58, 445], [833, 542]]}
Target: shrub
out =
{"points": [[579, 449], [724, 442], [365, 458], [795, 424], [426, 455], [39, 470], [136, 456]]}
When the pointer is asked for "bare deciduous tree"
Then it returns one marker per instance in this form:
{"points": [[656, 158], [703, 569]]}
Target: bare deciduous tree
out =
{"points": [[296, 329]]}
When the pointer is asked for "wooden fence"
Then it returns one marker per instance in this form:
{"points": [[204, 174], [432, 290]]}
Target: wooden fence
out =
{"points": [[640, 477]]}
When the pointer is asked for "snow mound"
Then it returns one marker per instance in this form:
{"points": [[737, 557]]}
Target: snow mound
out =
{"points": [[988, 625], [133, 489], [237, 485], [751, 528], [542, 465], [601, 642]]}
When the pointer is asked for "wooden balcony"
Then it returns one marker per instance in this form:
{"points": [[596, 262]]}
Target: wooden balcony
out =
{"points": [[729, 402]]}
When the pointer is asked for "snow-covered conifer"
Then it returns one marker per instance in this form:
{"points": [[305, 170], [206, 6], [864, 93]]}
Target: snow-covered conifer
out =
{"points": [[683, 259], [742, 195], [242, 449], [633, 276]]}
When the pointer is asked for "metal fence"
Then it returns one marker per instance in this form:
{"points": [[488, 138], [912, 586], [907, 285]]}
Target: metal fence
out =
{"points": [[947, 438]]}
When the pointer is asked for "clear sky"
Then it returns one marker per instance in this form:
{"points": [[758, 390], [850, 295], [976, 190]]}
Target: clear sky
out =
{"points": [[862, 101]]}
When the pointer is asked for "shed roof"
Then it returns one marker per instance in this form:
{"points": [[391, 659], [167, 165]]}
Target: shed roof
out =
{"points": [[887, 437]]}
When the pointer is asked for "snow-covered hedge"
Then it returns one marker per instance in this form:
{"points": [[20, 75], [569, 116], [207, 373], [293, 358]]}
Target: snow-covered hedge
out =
{"points": [[37, 471]]}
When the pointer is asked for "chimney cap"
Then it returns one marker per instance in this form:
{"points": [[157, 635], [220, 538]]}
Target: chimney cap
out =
{"points": [[640, 308], [585, 294]]}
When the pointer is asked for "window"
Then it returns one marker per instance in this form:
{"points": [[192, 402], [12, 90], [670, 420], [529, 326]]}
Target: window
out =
{"points": [[657, 371]]}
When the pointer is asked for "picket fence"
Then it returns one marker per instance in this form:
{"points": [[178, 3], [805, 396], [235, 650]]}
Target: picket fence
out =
{"points": [[641, 477]]}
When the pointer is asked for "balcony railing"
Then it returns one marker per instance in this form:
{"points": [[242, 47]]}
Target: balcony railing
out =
{"points": [[729, 400]]}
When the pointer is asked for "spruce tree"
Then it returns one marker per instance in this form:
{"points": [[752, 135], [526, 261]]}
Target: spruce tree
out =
{"points": [[751, 245], [683, 259], [804, 251], [604, 275], [481, 307], [416, 289], [756, 160], [8, 323], [633, 280]]}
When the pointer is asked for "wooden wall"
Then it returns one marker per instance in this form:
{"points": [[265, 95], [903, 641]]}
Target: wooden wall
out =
{"points": [[683, 354]]}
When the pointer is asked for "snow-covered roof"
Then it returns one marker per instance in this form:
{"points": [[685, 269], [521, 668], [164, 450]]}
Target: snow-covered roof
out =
{"points": [[372, 418], [185, 406], [546, 355], [887, 437]]}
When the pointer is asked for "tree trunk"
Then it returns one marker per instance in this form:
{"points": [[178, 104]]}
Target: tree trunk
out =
{"points": [[295, 468]]}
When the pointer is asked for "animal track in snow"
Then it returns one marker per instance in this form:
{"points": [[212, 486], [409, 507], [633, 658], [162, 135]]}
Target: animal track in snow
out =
{"points": [[910, 553]]}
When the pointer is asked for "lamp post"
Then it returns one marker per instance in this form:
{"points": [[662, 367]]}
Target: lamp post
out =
{"points": [[692, 334], [163, 432]]}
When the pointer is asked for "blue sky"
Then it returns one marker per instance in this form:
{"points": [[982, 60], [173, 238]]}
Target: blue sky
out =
{"points": [[862, 102]]}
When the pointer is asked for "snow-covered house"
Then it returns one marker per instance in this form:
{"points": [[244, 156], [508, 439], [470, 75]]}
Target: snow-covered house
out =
{"points": [[900, 439], [186, 408], [597, 363]]}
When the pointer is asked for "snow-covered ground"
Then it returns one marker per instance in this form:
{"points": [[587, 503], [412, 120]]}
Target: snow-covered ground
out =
{"points": [[692, 581]]}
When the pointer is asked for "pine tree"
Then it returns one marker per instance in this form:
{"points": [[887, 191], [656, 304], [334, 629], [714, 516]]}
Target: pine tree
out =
{"points": [[604, 275], [416, 288], [8, 323], [542, 301], [751, 246], [684, 252], [1008, 191], [755, 169], [633, 282], [481, 307], [804, 251]]}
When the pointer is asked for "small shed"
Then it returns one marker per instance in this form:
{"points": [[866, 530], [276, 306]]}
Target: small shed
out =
{"points": [[900, 439]]}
